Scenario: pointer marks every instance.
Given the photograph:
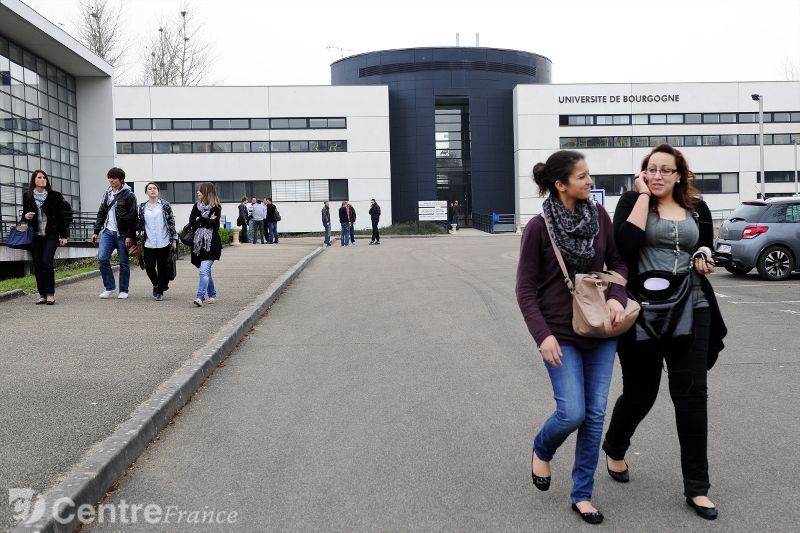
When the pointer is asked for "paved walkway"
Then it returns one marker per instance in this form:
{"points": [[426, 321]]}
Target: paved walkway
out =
{"points": [[73, 371], [408, 399]]}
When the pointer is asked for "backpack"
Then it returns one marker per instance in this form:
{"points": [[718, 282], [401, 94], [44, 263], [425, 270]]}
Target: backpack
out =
{"points": [[277, 215]]}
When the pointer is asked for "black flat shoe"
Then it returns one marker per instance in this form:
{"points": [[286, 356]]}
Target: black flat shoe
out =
{"points": [[590, 518], [541, 483], [621, 477], [709, 513]]}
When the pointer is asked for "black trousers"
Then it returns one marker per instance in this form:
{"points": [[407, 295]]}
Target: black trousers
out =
{"points": [[375, 235], [265, 229], [352, 233], [43, 250], [155, 264], [243, 234], [687, 371]]}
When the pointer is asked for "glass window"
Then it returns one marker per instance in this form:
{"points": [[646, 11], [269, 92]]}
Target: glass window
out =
{"points": [[727, 140], [162, 124], [123, 124], [240, 124], [337, 123], [565, 142], [656, 140], [709, 183], [240, 146], [337, 146], [710, 140], [260, 189], [317, 123], [181, 148], [141, 148], [675, 140], [279, 146], [298, 146], [748, 117], [639, 142], [298, 123], [781, 117], [730, 182], [221, 124], [231, 191], [338, 190], [795, 117], [710, 118], [747, 140], [181, 124], [658, 119], [290, 191], [221, 146], [201, 147], [795, 138], [622, 120], [692, 118], [259, 123], [259, 146], [674, 119], [639, 119], [613, 184], [124, 148], [577, 120], [622, 142], [140, 124], [727, 118], [184, 192], [604, 120], [162, 148], [563, 120], [201, 124], [317, 146], [279, 123], [781, 138], [767, 117], [767, 139], [318, 190]]}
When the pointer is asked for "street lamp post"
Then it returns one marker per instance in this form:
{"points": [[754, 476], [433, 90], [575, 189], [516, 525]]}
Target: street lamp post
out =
{"points": [[796, 144], [760, 99]]}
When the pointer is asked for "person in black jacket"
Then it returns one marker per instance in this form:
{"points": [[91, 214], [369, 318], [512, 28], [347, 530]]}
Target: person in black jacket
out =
{"points": [[375, 215], [344, 220], [207, 246], [656, 229], [352, 222], [272, 222], [326, 222], [115, 229], [243, 220], [43, 210]]}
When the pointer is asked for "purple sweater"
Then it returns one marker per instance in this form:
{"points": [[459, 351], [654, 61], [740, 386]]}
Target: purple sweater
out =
{"points": [[542, 295]]}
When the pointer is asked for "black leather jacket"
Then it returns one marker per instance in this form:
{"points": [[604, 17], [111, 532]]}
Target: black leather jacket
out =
{"points": [[126, 211]]}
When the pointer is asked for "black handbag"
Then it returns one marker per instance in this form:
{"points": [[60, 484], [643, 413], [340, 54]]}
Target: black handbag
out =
{"points": [[172, 264], [667, 304], [186, 235]]}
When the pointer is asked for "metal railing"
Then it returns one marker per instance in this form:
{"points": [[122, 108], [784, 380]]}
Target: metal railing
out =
{"points": [[80, 229]]}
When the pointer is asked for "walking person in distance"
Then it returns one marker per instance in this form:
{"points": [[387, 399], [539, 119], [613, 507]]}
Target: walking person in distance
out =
{"points": [[579, 368], [375, 216], [43, 210], [326, 222]]}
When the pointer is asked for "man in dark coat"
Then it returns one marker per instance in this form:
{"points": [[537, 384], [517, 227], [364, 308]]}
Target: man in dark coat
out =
{"points": [[326, 222], [375, 215]]}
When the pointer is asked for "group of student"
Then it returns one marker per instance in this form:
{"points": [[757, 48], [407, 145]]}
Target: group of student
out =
{"points": [[658, 227], [121, 224], [258, 216], [347, 220]]}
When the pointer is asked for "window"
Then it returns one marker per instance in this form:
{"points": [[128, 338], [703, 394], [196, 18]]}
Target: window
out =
{"points": [[577, 120], [604, 120], [259, 146], [711, 118], [727, 118], [337, 146], [337, 123], [298, 123], [221, 124], [279, 123], [748, 117], [674, 119], [781, 117], [221, 147], [140, 124], [279, 146], [620, 120], [162, 148], [290, 191], [184, 192], [231, 191], [260, 189], [779, 176], [181, 124], [727, 140], [613, 184], [318, 190], [201, 124], [240, 146], [710, 140], [123, 124], [201, 147], [675, 140], [181, 148], [162, 124], [640, 119], [142, 148], [780, 138], [566, 142], [338, 190], [747, 140], [692, 118], [240, 124], [658, 119], [124, 148], [730, 182], [716, 183], [656, 140], [298, 146], [793, 213], [259, 123], [317, 146], [317, 123]]}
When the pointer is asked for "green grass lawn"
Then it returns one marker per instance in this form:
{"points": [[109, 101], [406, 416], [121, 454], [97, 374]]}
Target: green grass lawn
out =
{"points": [[28, 283]]}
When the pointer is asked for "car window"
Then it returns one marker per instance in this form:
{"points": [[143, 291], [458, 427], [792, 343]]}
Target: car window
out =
{"points": [[793, 213], [747, 212], [775, 213]]}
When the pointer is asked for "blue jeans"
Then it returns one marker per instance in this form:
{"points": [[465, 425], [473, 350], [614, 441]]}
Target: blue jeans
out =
{"points": [[580, 389], [273, 232], [206, 284], [328, 233], [110, 240], [255, 227], [345, 234]]}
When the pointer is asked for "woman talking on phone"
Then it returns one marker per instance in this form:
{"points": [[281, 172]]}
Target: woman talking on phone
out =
{"points": [[659, 227], [579, 367]]}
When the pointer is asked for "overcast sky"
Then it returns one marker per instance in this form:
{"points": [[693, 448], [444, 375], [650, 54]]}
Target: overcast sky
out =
{"points": [[283, 42]]}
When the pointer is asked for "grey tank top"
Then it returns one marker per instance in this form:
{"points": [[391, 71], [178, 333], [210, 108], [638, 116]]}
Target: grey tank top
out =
{"points": [[669, 245]]}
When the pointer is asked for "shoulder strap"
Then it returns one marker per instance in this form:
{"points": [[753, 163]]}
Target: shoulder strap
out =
{"points": [[560, 259]]}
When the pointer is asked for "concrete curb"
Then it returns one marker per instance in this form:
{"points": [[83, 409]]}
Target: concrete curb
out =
{"points": [[63, 281], [97, 471], [10, 295]]}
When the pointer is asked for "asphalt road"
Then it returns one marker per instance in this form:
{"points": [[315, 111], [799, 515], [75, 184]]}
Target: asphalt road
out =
{"points": [[396, 388]]}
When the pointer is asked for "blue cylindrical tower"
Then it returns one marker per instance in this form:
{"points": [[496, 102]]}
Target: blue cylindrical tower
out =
{"points": [[451, 121]]}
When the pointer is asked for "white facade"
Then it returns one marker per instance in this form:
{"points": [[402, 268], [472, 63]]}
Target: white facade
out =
{"points": [[364, 164], [540, 113]]}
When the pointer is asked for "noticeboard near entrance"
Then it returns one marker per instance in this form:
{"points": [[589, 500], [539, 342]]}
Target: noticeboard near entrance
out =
{"points": [[432, 210]]}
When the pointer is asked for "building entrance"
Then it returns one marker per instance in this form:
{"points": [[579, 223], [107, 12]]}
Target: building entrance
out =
{"points": [[453, 162]]}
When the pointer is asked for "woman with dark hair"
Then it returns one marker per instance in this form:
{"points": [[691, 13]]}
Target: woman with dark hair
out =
{"points": [[579, 367], [658, 227], [160, 238], [43, 210], [207, 246]]}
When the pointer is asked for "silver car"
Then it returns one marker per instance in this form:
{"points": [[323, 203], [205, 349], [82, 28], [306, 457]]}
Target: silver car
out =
{"points": [[764, 235]]}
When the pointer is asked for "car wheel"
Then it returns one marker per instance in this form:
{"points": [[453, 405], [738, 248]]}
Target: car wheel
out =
{"points": [[737, 270], [775, 263]]}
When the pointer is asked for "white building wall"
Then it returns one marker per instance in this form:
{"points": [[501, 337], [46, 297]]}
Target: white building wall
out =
{"points": [[537, 132], [365, 164], [95, 114]]}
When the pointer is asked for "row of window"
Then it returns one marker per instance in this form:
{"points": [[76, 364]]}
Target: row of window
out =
{"points": [[777, 176], [678, 140], [49, 151], [27, 96], [204, 147], [676, 118], [707, 182], [183, 192], [15, 170], [13, 56], [43, 135], [230, 123]]}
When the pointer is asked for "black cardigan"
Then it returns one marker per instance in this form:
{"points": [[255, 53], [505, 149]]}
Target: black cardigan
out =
{"points": [[216, 243], [630, 240], [53, 208]]}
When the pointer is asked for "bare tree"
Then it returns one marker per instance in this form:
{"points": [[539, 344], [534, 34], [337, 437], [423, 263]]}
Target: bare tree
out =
{"points": [[791, 71], [178, 54], [100, 29]]}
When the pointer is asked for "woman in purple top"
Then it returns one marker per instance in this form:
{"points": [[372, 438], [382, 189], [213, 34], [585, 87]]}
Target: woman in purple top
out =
{"points": [[580, 368]]}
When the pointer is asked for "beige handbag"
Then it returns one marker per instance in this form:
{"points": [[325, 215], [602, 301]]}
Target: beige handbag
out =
{"points": [[589, 294]]}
